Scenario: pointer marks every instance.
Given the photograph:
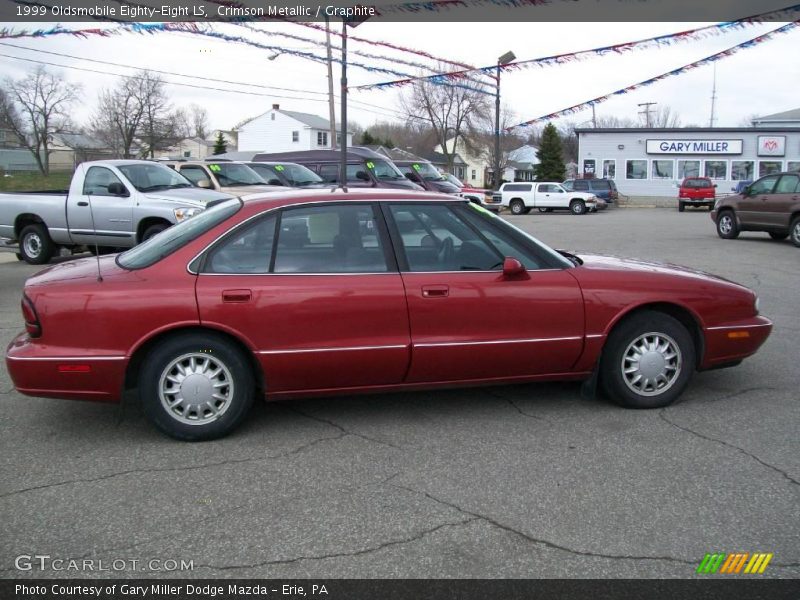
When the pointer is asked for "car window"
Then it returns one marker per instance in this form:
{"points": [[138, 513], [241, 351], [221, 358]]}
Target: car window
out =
{"points": [[517, 187], [329, 173], [788, 184], [435, 238], [329, 239], [567, 185], [581, 186], [194, 174], [246, 250], [764, 185], [504, 240], [355, 172], [601, 185], [546, 188], [97, 181]]}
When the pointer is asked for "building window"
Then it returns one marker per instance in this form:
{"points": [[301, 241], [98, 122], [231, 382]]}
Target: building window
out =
{"points": [[716, 169], [767, 167], [295, 136], [459, 172], [688, 168], [322, 138], [474, 175], [609, 169], [635, 169], [187, 153], [589, 167], [793, 166], [338, 139], [741, 170], [662, 169]]}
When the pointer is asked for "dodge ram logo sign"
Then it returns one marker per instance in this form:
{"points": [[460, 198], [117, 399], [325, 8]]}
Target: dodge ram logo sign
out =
{"points": [[771, 145]]}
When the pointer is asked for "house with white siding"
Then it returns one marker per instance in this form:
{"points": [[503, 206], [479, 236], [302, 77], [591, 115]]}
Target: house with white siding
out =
{"points": [[279, 130]]}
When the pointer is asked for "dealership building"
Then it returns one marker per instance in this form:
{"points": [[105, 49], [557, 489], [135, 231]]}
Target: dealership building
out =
{"points": [[650, 162]]}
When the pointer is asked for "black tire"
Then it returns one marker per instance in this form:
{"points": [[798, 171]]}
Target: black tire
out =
{"points": [[19, 256], [778, 236], [216, 351], [681, 206], [727, 227], [577, 207], [153, 230], [676, 371], [35, 245], [794, 231], [517, 207]]}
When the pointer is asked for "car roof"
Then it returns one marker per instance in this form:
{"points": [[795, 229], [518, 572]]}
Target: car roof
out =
{"points": [[262, 200]]}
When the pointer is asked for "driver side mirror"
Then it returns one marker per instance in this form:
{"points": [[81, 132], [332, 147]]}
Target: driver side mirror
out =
{"points": [[411, 176], [204, 183], [514, 269], [117, 189]]}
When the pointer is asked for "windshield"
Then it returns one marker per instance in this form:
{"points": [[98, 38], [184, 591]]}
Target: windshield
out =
{"points": [[153, 177], [384, 170], [176, 237], [454, 180], [502, 223], [427, 171], [295, 175], [235, 175]]}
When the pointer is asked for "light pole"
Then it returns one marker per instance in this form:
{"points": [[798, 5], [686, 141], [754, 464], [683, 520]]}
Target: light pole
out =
{"points": [[346, 22], [503, 60]]}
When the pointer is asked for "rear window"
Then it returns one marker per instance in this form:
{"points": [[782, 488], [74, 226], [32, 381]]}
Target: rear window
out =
{"points": [[697, 183], [601, 184], [517, 187], [176, 237]]}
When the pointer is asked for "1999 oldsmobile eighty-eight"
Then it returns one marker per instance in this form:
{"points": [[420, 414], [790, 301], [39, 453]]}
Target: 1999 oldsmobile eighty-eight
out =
{"points": [[318, 292]]}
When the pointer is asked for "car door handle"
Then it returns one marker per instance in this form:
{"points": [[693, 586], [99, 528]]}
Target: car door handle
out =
{"points": [[82, 203], [435, 291], [236, 295]]}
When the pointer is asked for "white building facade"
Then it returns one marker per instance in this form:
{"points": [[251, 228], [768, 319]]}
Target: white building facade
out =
{"points": [[285, 131], [650, 162]]}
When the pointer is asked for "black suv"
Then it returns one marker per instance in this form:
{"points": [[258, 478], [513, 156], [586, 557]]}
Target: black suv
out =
{"points": [[602, 188]]}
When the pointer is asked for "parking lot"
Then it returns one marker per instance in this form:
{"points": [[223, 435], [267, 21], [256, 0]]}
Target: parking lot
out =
{"points": [[521, 481]]}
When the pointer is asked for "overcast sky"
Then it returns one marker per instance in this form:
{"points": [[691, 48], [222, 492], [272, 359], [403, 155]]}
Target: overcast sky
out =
{"points": [[761, 80]]}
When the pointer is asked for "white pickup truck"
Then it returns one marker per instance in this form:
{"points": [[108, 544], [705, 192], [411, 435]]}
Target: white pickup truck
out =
{"points": [[520, 198], [110, 204]]}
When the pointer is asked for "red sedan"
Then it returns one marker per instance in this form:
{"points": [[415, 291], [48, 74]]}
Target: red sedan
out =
{"points": [[317, 292]]}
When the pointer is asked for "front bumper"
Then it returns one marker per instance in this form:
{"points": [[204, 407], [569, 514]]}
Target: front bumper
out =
{"points": [[70, 373], [732, 342]]}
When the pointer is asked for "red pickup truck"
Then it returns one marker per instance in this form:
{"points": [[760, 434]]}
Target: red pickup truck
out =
{"points": [[696, 191]]}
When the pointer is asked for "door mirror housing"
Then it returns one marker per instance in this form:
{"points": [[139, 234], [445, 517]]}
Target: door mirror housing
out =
{"points": [[513, 268], [205, 184], [362, 175], [117, 189]]}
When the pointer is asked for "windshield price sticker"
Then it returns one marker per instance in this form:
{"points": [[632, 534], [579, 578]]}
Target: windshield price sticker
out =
{"points": [[416, 167], [279, 167], [370, 164], [215, 168]]}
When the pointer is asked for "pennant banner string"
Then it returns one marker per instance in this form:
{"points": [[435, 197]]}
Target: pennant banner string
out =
{"points": [[679, 71]]}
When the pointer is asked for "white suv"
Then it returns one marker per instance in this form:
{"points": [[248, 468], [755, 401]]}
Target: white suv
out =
{"points": [[520, 198]]}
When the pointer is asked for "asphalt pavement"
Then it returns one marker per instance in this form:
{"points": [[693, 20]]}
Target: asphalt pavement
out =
{"points": [[509, 482]]}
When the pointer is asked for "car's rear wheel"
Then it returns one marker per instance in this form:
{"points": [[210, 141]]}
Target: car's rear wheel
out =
{"points": [[35, 244], [681, 206], [727, 228], [153, 230], [648, 361], [545, 210], [778, 236], [794, 229], [578, 207], [517, 207], [196, 387]]}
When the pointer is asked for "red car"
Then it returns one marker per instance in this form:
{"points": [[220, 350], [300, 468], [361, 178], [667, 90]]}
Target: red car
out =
{"points": [[316, 292], [696, 191]]}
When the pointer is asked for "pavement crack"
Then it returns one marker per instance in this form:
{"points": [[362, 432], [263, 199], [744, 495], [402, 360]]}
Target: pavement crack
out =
{"points": [[285, 561], [543, 542], [342, 429], [516, 406], [236, 461], [662, 414]]}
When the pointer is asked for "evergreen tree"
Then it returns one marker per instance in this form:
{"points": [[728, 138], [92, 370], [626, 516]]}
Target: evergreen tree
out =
{"points": [[220, 144], [388, 143], [367, 139], [551, 161]]}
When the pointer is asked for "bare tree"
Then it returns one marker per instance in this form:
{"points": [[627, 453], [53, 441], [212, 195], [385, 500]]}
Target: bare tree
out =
{"points": [[118, 117], [198, 121], [35, 108], [449, 111], [662, 117], [160, 126], [479, 138]]}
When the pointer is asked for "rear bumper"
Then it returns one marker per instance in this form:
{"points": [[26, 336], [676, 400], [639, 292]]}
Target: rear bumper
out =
{"points": [[41, 371], [732, 342]]}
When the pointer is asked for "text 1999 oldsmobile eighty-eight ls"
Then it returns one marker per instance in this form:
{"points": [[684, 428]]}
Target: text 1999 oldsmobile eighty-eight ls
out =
{"points": [[322, 292]]}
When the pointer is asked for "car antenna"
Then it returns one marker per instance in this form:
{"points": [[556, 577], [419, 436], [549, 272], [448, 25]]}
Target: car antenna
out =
{"points": [[94, 232]]}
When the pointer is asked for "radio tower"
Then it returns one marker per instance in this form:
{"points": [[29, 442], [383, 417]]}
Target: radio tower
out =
{"points": [[713, 97]]}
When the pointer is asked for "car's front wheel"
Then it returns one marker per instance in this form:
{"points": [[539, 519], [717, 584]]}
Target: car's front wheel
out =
{"points": [[517, 207], [794, 228], [196, 387], [578, 207], [727, 228], [648, 361]]}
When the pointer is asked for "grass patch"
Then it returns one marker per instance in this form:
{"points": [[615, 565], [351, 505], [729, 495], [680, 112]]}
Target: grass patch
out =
{"points": [[35, 182]]}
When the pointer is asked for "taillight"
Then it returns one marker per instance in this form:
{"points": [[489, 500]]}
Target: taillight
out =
{"points": [[32, 325]]}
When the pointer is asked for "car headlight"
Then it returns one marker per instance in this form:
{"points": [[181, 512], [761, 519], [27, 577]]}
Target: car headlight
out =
{"points": [[181, 214]]}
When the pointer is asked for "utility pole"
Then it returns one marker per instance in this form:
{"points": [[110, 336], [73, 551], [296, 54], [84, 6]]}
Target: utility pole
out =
{"points": [[331, 105], [646, 111], [594, 117], [713, 97]]}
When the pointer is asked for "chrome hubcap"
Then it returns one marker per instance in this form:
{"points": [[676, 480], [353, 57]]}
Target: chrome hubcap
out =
{"points": [[577, 208], [33, 245], [651, 364], [725, 224], [796, 233], [196, 389]]}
